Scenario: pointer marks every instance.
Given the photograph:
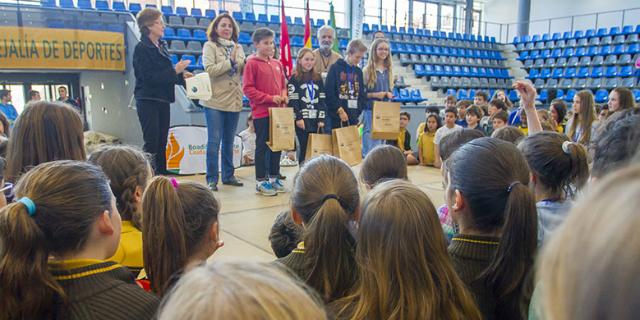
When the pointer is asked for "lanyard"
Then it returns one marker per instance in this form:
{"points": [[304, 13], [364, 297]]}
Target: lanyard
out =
{"points": [[351, 78], [310, 90]]}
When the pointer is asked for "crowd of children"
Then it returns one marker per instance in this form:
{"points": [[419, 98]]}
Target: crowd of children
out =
{"points": [[527, 229]]}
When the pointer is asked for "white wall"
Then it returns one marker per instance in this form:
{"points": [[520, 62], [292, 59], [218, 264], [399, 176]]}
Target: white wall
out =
{"points": [[506, 11]]}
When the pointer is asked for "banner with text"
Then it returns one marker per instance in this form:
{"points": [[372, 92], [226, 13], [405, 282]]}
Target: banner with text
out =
{"points": [[42, 48], [357, 18]]}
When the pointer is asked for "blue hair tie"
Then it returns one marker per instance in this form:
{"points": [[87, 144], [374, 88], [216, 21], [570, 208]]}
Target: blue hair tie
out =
{"points": [[29, 204]]}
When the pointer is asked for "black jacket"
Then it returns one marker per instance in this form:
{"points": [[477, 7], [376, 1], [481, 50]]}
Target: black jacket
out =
{"points": [[338, 93], [155, 75], [311, 112]]}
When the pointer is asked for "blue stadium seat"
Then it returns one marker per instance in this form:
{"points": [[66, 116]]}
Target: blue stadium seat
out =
{"points": [[589, 33], [250, 17], [289, 21], [524, 55], [418, 69], [578, 34], [298, 21], [438, 71], [566, 35], [605, 50], [404, 96], [601, 32], [543, 96], [513, 96], [169, 34], [626, 71], [365, 28], [636, 93], [570, 94], [182, 11], [274, 19], [119, 6], [67, 4], [297, 41], [592, 51], [556, 36], [416, 95], [545, 73], [189, 57], [320, 23], [633, 48], [315, 43], [596, 72], [534, 74], [429, 70], [471, 94], [569, 73], [195, 12], [626, 30], [535, 38], [210, 13], [456, 71], [239, 17], [167, 11], [611, 71], [557, 53], [614, 31], [601, 96], [183, 34], [200, 35], [411, 30], [461, 94], [581, 52], [384, 28], [49, 4], [174, 59], [199, 64], [583, 72], [451, 92], [546, 54], [568, 52], [134, 8], [263, 18], [102, 5], [245, 38]]}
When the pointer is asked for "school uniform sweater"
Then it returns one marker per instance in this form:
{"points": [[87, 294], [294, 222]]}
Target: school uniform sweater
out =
{"points": [[344, 83], [262, 80], [471, 255], [101, 290], [129, 253], [403, 142], [309, 108]]}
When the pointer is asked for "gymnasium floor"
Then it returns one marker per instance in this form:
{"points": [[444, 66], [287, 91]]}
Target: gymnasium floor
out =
{"points": [[246, 217]]}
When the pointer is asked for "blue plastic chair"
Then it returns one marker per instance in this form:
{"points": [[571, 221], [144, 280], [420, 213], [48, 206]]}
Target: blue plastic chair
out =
{"points": [[569, 73], [183, 34], [274, 19], [614, 31], [543, 96], [461, 94], [245, 38], [134, 8], [570, 94], [119, 6], [601, 96], [416, 95], [167, 11], [583, 72], [67, 4], [182, 11], [210, 13], [611, 72], [195, 12], [200, 35], [169, 34], [102, 5], [238, 16], [596, 72], [626, 71], [626, 30], [601, 32]]}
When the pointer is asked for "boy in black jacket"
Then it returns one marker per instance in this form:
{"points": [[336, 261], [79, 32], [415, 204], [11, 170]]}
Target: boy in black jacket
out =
{"points": [[346, 92]]}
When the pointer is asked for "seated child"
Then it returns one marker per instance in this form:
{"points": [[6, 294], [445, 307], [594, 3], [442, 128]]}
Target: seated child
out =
{"points": [[426, 146], [499, 119], [404, 139]]}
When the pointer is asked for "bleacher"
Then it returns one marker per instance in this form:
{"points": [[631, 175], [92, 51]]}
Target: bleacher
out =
{"points": [[599, 60]]}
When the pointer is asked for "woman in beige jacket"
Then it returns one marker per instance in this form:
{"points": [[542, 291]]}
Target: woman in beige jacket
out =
{"points": [[223, 59]]}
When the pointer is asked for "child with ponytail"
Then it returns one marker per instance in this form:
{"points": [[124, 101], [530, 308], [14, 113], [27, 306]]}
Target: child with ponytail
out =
{"points": [[558, 168], [325, 201], [179, 229], [54, 245], [128, 171], [306, 97], [493, 252]]}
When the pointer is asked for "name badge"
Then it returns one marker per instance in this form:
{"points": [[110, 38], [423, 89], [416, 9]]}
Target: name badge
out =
{"points": [[353, 104]]}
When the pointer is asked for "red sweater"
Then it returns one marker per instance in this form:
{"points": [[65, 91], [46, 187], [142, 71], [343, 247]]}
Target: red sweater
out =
{"points": [[263, 79]]}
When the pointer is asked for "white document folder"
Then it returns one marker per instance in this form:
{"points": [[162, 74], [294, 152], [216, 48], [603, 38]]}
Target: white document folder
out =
{"points": [[199, 86]]}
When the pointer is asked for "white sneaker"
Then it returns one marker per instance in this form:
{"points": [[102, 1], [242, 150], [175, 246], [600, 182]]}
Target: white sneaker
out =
{"points": [[266, 189], [286, 162], [278, 186]]}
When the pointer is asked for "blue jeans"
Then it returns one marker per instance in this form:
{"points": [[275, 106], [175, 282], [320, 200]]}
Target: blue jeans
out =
{"points": [[367, 142], [221, 130]]}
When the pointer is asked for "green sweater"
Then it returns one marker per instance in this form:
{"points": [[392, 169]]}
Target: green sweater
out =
{"points": [[471, 255], [101, 290]]}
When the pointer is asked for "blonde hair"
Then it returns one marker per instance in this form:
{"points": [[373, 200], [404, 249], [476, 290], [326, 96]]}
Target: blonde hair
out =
{"points": [[405, 269], [584, 118], [242, 291], [356, 45], [597, 280], [300, 74], [370, 69]]}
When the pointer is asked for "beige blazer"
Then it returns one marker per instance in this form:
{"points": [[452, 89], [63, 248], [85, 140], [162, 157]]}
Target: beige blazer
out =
{"points": [[226, 89]]}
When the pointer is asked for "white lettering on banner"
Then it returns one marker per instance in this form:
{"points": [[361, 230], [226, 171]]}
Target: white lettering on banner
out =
{"points": [[187, 150]]}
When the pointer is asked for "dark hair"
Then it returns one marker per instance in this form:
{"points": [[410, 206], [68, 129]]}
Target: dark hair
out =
{"points": [[406, 114], [617, 143], [561, 109], [384, 162], [492, 176], [285, 234], [452, 110], [498, 104], [482, 94], [475, 110], [509, 134], [501, 114], [557, 163], [626, 98], [127, 169], [32, 93], [329, 256], [463, 103], [211, 30], [174, 224], [438, 121], [145, 18], [450, 98], [4, 93], [5, 124], [602, 106], [69, 197], [451, 142], [261, 34], [432, 109], [45, 131]]}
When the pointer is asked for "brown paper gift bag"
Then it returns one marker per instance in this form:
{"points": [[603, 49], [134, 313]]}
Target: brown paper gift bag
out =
{"points": [[281, 129], [317, 145], [385, 122], [347, 144]]}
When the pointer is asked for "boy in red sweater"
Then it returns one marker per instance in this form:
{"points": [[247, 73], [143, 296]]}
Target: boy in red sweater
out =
{"points": [[265, 85]]}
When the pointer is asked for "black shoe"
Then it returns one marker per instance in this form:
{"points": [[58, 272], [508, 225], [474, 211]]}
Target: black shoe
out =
{"points": [[213, 187], [233, 182], [281, 177]]}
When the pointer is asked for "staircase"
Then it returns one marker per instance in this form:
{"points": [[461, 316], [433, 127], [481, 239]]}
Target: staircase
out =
{"points": [[420, 83]]}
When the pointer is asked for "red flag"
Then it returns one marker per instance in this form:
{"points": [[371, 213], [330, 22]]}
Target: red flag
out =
{"points": [[307, 28], [285, 45]]}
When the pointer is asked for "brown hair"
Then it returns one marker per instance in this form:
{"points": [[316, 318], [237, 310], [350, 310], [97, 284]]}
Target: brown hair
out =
{"points": [[384, 162], [69, 197], [451, 142], [300, 74], [212, 30], [502, 115], [590, 267], [626, 98], [127, 169], [507, 102], [585, 118], [450, 98], [509, 134], [558, 163], [463, 103], [492, 176], [452, 110], [329, 246], [370, 69], [5, 124], [145, 18], [617, 143], [475, 110], [482, 94], [174, 224], [356, 45], [45, 131], [261, 34], [406, 271], [498, 104]]}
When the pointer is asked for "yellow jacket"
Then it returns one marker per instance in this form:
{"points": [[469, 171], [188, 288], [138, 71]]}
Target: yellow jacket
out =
{"points": [[129, 253]]}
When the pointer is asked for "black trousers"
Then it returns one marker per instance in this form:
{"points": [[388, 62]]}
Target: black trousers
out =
{"points": [[303, 138], [154, 119], [264, 155]]}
